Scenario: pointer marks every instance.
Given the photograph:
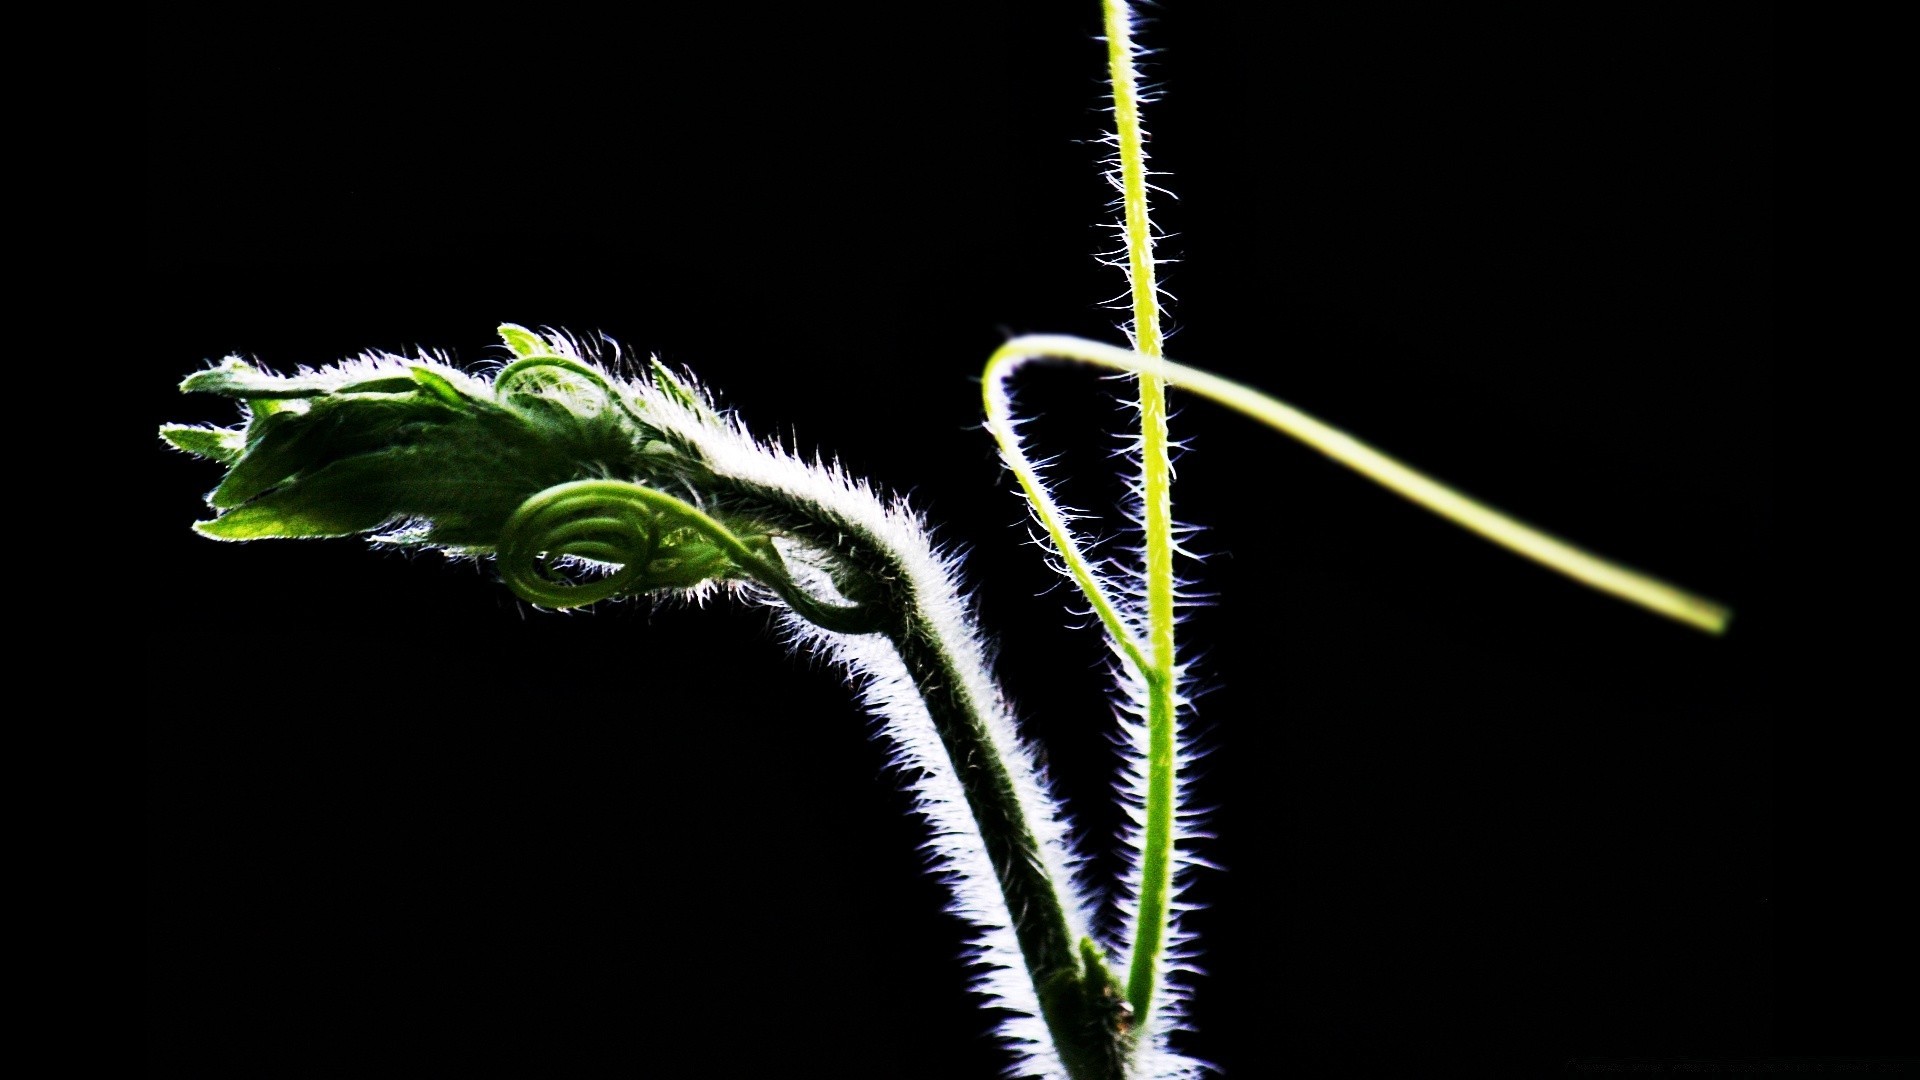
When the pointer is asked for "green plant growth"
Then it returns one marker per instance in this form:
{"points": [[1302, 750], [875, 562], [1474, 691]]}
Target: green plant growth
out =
{"points": [[584, 477]]}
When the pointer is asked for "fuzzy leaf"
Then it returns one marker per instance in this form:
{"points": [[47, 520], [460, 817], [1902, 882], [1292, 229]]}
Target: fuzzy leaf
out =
{"points": [[521, 341], [223, 445], [392, 384], [343, 499], [283, 444], [423, 454], [671, 385], [438, 385], [235, 377]]}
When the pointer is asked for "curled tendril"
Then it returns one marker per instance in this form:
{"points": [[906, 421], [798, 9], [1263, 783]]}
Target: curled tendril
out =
{"points": [[519, 370], [654, 541]]}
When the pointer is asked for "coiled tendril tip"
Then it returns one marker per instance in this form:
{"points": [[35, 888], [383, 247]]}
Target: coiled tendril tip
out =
{"points": [[653, 541]]}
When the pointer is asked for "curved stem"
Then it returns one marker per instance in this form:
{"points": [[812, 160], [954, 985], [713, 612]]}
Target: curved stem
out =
{"points": [[1074, 989], [1644, 590], [1005, 799]]}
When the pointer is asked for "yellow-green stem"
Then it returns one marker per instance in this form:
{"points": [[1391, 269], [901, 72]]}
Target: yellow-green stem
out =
{"points": [[1605, 575], [1156, 481]]}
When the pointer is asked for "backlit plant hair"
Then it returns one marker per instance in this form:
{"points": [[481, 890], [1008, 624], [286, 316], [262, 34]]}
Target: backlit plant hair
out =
{"points": [[586, 477]]}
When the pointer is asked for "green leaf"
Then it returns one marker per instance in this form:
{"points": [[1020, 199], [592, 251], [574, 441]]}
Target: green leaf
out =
{"points": [[223, 445], [361, 447], [521, 341], [395, 384], [283, 444], [236, 378], [342, 499], [438, 385], [670, 385]]}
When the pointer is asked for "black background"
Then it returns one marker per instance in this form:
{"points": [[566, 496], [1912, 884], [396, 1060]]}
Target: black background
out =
{"points": [[1474, 818]]}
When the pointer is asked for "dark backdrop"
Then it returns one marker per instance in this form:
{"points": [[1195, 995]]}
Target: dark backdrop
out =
{"points": [[1473, 818]]}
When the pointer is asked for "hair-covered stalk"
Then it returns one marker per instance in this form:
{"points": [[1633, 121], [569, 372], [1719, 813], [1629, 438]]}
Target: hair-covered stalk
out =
{"points": [[1595, 571], [938, 656], [587, 487], [1156, 786], [1109, 599]]}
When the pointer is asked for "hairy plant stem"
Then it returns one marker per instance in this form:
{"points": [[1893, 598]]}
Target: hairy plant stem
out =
{"points": [[1081, 1002], [1155, 882], [1077, 995], [1594, 571]]}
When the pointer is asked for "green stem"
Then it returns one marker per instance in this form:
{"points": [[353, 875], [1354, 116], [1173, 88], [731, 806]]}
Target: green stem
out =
{"points": [[1153, 666], [1074, 991], [1156, 492], [1646, 591], [1078, 998]]}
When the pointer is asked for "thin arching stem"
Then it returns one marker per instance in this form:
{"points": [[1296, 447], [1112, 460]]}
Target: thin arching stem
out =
{"points": [[1469, 513]]}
